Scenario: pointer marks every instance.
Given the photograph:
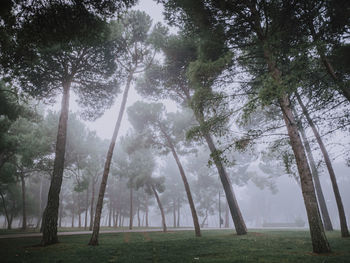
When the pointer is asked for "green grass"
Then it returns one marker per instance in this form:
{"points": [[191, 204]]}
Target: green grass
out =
{"points": [[215, 246]]}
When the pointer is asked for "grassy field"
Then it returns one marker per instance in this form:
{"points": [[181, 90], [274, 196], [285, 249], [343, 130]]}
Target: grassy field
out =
{"points": [[215, 246]]}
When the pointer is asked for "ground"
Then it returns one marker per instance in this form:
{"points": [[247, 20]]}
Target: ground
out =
{"points": [[178, 246]]}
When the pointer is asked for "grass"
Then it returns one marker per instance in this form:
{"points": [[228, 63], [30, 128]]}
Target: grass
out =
{"points": [[214, 246]]}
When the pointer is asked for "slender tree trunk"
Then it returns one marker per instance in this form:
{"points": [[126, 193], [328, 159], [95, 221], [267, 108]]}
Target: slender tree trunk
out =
{"points": [[318, 237], [9, 222], [79, 212], [50, 217], [24, 207], [5, 210], [92, 204], [178, 212], [236, 214], [146, 212], [110, 214], [321, 201], [86, 208], [40, 216], [205, 218], [342, 218], [160, 207], [60, 213], [187, 186], [174, 212], [220, 211], [131, 208], [138, 216], [116, 219], [73, 212], [227, 217], [94, 237]]}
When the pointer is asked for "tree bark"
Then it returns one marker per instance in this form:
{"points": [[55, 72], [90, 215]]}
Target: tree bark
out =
{"points": [[138, 216], [342, 217], [174, 212], [321, 201], [227, 218], [131, 208], [160, 207], [79, 211], [92, 204], [236, 214], [178, 212], [6, 212], [24, 206], [146, 208], [187, 187], [87, 208], [94, 237], [110, 214], [318, 237], [50, 217]]}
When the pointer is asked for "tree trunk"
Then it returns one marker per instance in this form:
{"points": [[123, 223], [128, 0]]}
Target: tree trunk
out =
{"points": [[227, 217], [94, 237], [138, 216], [110, 214], [174, 212], [40, 216], [73, 216], [50, 216], [160, 207], [131, 208], [92, 204], [86, 209], [6, 212], [318, 237], [219, 210], [79, 212], [146, 208], [205, 218], [24, 207], [116, 218], [187, 188], [342, 218], [60, 214], [9, 222], [236, 214], [178, 212], [321, 201]]}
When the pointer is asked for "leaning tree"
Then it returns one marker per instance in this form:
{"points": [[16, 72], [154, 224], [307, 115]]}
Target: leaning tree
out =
{"points": [[165, 131], [136, 35], [71, 50]]}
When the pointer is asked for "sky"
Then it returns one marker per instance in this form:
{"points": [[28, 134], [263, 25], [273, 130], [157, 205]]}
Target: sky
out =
{"points": [[104, 126]]}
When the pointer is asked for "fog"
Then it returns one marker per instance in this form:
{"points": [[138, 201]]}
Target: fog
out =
{"points": [[268, 193]]}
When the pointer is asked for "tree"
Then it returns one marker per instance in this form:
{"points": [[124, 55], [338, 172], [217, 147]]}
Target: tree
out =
{"points": [[342, 217], [171, 81], [165, 131], [257, 24], [58, 56], [135, 33]]}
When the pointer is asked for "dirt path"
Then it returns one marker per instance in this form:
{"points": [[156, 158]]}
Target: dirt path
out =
{"points": [[102, 232]]}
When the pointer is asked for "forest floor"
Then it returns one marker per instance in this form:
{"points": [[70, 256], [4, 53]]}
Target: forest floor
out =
{"points": [[179, 246]]}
